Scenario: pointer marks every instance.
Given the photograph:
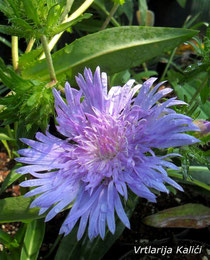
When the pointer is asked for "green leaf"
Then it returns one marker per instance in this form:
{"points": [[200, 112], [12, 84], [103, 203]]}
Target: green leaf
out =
{"points": [[182, 3], [5, 137], [62, 27], [33, 239], [186, 216], [114, 49], [200, 173], [17, 209], [11, 177], [94, 249], [188, 179], [31, 10], [53, 15], [10, 30]]}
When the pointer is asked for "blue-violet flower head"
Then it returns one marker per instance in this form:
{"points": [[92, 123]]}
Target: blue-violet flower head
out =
{"points": [[108, 149]]}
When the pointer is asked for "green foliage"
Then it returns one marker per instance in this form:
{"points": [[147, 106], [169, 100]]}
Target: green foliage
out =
{"points": [[30, 102], [17, 209], [33, 239], [114, 49], [33, 18]]}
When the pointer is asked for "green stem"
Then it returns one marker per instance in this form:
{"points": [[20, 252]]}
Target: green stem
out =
{"points": [[168, 64], [198, 91], [48, 58], [15, 52], [30, 45], [67, 9], [111, 14]]}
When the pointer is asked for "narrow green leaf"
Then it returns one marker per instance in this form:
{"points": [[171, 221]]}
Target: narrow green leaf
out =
{"points": [[31, 10], [33, 239], [5, 137], [114, 49], [186, 216], [17, 209], [62, 27], [11, 177]]}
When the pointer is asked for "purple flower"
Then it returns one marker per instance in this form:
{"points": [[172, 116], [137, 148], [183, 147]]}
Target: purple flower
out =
{"points": [[108, 149]]}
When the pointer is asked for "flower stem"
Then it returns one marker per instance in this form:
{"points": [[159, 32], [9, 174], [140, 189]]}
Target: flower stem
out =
{"points": [[168, 64], [67, 9], [15, 52], [48, 58], [109, 17], [73, 16], [30, 45]]}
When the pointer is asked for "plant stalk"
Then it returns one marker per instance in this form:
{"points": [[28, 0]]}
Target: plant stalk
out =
{"points": [[168, 64], [73, 16], [48, 58], [67, 9], [109, 17], [15, 57], [30, 45]]}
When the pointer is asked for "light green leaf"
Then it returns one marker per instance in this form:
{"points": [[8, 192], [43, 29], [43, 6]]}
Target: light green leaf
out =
{"points": [[33, 240], [17, 209], [5, 137], [114, 49]]}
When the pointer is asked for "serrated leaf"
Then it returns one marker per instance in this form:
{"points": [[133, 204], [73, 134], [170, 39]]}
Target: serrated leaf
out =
{"points": [[31, 11], [10, 30], [114, 49], [186, 216]]}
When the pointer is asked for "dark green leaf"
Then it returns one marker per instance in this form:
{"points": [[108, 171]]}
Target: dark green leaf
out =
{"points": [[185, 216], [33, 239], [182, 3], [114, 49]]}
